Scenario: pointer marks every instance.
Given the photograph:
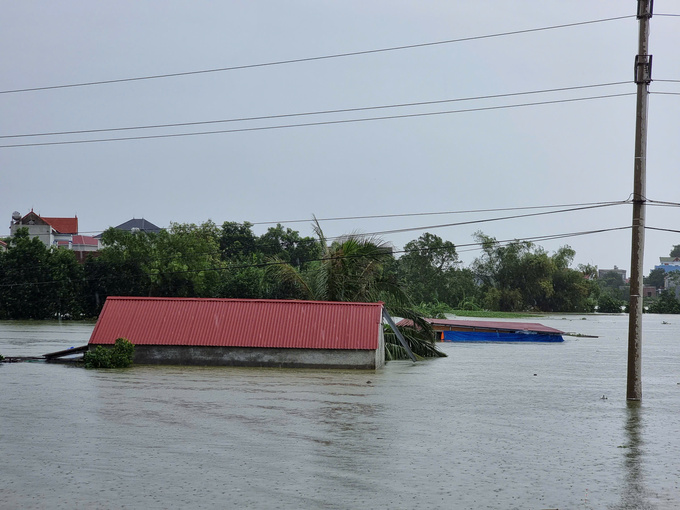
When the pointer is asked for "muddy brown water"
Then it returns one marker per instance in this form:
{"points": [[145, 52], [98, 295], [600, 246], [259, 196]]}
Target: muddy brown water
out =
{"points": [[491, 426]]}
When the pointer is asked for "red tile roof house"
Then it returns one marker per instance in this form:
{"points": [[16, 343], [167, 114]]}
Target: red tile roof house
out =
{"points": [[49, 230], [245, 332]]}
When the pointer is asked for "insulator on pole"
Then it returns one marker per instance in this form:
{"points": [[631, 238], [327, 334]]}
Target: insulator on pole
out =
{"points": [[643, 69]]}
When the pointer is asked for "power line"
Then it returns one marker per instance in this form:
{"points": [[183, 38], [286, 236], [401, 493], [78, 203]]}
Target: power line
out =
{"points": [[469, 211], [662, 203], [674, 231], [472, 222], [543, 238], [487, 220], [322, 57], [578, 206], [322, 112], [311, 124]]}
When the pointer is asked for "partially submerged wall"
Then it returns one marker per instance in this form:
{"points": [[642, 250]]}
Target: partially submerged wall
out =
{"points": [[259, 357]]}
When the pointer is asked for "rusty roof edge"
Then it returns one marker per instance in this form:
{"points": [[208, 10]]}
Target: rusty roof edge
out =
{"points": [[245, 300]]}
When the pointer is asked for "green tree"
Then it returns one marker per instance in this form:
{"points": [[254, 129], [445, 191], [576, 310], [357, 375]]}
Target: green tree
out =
{"points": [[429, 272], [612, 283], [656, 277], [675, 252], [237, 240], [286, 244], [182, 261], [186, 261], [520, 276], [38, 282], [246, 279], [572, 290], [69, 285], [666, 303], [607, 303]]}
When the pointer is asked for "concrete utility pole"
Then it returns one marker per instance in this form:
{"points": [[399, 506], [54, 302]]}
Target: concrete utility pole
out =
{"points": [[643, 76]]}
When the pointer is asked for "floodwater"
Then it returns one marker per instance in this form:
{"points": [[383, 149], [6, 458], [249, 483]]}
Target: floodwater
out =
{"points": [[492, 426]]}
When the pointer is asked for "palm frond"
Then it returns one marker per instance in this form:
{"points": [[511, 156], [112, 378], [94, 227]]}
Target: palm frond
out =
{"points": [[284, 272]]}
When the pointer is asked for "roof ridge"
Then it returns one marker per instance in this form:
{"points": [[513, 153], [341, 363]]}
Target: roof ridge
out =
{"points": [[246, 300]]}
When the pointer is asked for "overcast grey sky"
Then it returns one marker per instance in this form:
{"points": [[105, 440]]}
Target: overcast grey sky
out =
{"points": [[563, 153]]}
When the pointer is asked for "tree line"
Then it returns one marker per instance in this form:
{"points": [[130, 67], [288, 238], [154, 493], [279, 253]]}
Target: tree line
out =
{"points": [[231, 261]]}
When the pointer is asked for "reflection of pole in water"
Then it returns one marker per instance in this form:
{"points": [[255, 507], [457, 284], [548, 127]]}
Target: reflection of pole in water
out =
{"points": [[634, 493]]}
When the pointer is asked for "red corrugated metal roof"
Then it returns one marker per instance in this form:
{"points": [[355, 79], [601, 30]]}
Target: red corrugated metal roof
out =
{"points": [[85, 240], [491, 325], [239, 323], [63, 225]]}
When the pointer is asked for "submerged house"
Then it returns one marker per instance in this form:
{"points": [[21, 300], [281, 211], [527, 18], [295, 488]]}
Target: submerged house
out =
{"points": [[454, 330], [245, 332]]}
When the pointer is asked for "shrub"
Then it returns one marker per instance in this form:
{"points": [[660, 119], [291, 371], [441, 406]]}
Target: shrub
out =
{"points": [[119, 356], [434, 310], [666, 303], [609, 304]]}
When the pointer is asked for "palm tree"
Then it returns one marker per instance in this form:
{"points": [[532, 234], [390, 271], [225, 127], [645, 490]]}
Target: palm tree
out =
{"points": [[351, 269]]}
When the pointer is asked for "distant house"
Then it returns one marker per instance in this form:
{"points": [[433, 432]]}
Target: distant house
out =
{"points": [[621, 272], [135, 225], [669, 264], [3, 246], [649, 291], [245, 332], [51, 231], [138, 225]]}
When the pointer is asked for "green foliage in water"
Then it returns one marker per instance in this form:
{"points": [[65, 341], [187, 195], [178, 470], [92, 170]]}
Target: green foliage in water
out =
{"points": [[607, 303], [118, 356], [665, 303], [436, 310]]}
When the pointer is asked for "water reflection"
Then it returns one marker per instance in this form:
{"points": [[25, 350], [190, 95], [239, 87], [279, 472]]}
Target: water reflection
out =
{"points": [[634, 495]]}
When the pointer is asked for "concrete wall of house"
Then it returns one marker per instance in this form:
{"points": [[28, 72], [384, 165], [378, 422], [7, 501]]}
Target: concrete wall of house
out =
{"points": [[42, 232], [260, 357], [380, 351]]}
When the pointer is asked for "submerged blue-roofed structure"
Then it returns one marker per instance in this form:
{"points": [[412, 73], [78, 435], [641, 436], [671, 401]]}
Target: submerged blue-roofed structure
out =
{"points": [[456, 330], [499, 336]]}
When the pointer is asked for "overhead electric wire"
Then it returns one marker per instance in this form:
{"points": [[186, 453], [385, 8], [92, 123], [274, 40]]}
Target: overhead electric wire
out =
{"points": [[672, 230], [322, 57], [321, 112], [570, 207], [540, 238], [662, 203], [321, 123], [468, 211], [434, 213], [487, 220]]}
